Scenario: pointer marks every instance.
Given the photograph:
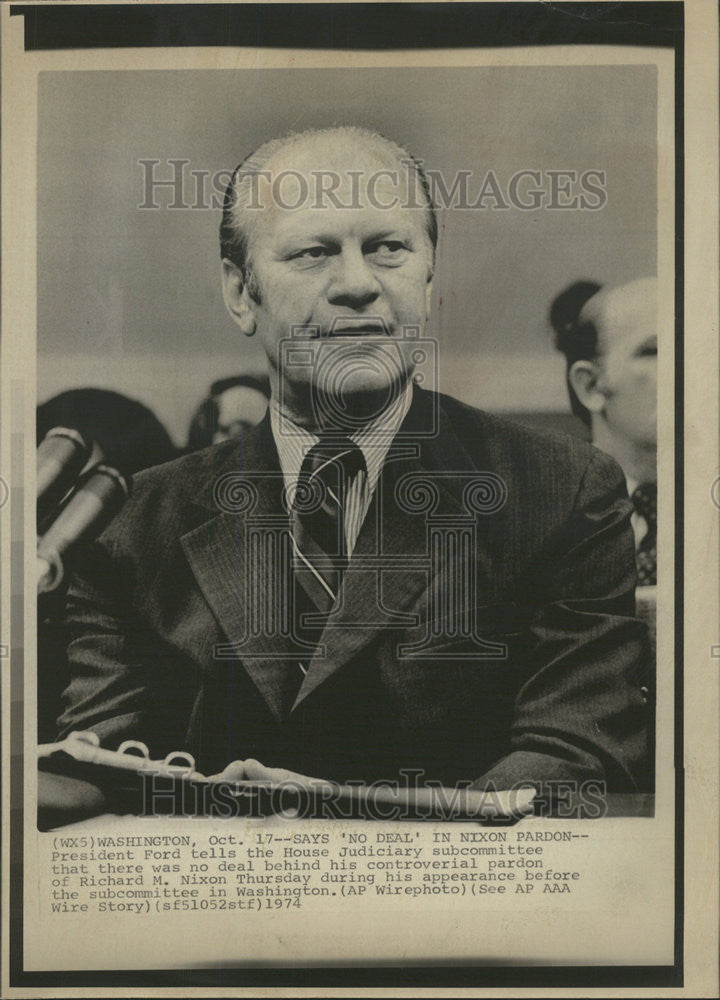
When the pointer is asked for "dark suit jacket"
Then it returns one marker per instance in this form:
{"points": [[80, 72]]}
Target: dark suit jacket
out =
{"points": [[528, 664]]}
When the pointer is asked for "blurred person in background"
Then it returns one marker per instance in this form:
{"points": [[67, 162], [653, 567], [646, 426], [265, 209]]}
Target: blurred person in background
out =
{"points": [[232, 406], [564, 318], [121, 432], [609, 339]]}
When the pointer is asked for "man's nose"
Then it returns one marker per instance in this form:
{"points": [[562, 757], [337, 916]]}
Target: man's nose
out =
{"points": [[353, 282]]}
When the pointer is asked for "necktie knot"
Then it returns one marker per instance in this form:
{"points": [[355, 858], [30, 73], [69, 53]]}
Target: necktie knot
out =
{"points": [[332, 457], [326, 472]]}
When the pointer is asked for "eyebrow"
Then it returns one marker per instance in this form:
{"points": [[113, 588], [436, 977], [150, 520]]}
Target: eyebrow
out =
{"points": [[318, 236]]}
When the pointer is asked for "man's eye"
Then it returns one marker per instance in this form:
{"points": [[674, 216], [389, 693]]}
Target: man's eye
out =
{"points": [[311, 253], [390, 250], [647, 352]]}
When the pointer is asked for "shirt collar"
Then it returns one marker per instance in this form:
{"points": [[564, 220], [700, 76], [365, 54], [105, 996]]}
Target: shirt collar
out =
{"points": [[374, 439]]}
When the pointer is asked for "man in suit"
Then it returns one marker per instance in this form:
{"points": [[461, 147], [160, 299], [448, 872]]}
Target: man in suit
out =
{"points": [[377, 578], [611, 353]]}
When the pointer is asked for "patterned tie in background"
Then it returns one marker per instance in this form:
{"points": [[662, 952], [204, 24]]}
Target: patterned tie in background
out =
{"points": [[318, 528], [644, 500]]}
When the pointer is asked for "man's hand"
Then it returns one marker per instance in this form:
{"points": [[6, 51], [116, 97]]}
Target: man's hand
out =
{"points": [[253, 770]]}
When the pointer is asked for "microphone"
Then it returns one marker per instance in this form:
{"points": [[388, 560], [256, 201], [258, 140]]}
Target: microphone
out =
{"points": [[100, 494], [61, 456]]}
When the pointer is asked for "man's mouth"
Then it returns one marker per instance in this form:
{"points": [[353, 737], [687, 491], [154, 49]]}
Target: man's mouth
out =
{"points": [[360, 327], [357, 326], [347, 327]]}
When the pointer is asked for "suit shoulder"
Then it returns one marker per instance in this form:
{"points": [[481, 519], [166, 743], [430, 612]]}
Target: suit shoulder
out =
{"points": [[168, 499], [182, 474], [527, 452], [475, 425]]}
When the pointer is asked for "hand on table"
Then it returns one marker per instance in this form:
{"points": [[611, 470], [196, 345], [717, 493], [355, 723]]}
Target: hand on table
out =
{"points": [[253, 770]]}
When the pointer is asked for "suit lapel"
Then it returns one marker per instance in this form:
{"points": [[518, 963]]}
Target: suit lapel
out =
{"points": [[243, 584], [235, 557], [395, 538]]}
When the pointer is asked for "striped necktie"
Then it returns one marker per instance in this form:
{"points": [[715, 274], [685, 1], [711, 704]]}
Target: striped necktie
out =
{"points": [[318, 532], [644, 500]]}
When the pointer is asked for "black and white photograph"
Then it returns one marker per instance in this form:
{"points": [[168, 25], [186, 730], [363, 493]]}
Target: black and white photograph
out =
{"points": [[346, 568], [347, 549]]}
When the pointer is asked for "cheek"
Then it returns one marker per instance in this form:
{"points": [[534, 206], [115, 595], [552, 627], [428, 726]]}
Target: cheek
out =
{"points": [[284, 304], [633, 375], [635, 392], [409, 296], [644, 382]]}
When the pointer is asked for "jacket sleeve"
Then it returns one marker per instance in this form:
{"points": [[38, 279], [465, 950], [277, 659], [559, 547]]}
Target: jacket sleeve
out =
{"points": [[124, 681], [581, 711]]}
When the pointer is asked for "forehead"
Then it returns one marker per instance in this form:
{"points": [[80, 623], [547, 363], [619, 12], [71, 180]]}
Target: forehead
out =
{"points": [[336, 183], [334, 151], [627, 327], [625, 316]]}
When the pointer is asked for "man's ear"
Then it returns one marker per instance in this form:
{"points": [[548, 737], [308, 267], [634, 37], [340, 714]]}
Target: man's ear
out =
{"points": [[586, 379], [237, 300]]}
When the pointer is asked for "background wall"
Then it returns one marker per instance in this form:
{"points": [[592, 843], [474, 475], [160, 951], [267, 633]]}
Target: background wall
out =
{"points": [[129, 298]]}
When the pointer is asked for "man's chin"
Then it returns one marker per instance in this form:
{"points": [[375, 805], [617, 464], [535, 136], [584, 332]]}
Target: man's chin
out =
{"points": [[354, 400], [355, 386]]}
